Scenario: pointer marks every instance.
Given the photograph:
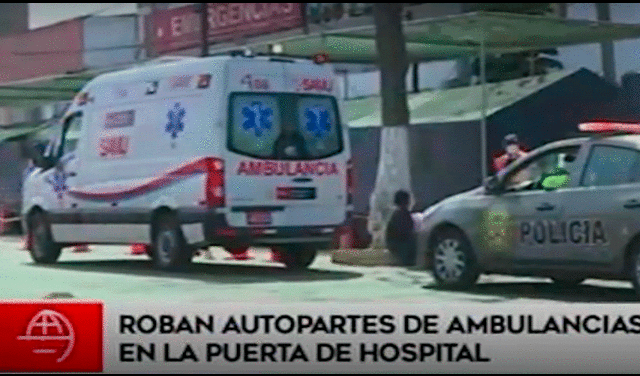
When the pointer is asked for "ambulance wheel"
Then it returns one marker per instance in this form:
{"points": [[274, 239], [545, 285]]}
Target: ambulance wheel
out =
{"points": [[43, 249], [297, 257], [567, 282], [452, 260], [170, 251]]}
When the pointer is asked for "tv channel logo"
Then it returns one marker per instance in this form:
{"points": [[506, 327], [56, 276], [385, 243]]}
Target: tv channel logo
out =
{"points": [[45, 336]]}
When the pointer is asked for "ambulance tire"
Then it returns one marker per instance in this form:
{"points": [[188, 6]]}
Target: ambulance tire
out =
{"points": [[298, 257], [634, 269], [43, 249], [453, 262], [170, 250]]}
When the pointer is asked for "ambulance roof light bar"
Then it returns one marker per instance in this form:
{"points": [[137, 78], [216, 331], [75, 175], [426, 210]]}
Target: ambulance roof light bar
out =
{"points": [[606, 127]]}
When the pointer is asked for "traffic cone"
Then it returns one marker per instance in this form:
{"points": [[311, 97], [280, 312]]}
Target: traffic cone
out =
{"points": [[139, 249], [275, 255], [239, 254], [206, 252], [81, 248], [26, 243], [4, 225]]}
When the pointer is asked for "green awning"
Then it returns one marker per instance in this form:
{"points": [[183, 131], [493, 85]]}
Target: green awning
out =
{"points": [[451, 105], [11, 134], [45, 90], [442, 38], [450, 37]]}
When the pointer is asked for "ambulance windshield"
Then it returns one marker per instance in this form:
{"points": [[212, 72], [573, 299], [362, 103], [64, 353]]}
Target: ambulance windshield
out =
{"points": [[284, 126]]}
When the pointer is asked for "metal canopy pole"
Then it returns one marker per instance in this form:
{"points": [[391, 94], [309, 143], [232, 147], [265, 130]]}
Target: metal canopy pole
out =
{"points": [[483, 109]]}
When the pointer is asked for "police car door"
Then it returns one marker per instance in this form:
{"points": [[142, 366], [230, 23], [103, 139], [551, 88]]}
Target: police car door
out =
{"points": [[534, 211], [61, 177], [603, 210]]}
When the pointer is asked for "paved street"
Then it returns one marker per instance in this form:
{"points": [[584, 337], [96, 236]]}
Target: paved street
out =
{"points": [[109, 273]]}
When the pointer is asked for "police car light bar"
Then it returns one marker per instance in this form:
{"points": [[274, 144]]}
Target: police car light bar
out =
{"points": [[609, 127]]}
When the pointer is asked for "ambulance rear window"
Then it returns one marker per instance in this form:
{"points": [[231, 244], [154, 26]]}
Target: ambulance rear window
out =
{"points": [[284, 126], [256, 124]]}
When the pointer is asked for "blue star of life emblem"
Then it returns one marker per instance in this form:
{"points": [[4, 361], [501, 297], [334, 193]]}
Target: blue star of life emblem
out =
{"points": [[175, 124], [58, 181], [257, 117], [317, 120]]}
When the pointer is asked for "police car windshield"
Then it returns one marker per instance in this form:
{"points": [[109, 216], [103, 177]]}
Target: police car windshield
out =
{"points": [[284, 126]]}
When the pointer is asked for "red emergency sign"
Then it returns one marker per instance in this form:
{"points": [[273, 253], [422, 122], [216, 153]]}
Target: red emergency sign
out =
{"points": [[317, 84], [113, 147]]}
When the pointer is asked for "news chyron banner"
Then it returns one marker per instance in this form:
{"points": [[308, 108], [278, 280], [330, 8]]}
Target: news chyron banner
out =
{"points": [[89, 336]]}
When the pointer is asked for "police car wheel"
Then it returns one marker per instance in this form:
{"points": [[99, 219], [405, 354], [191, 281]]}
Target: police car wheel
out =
{"points": [[453, 263], [297, 257], [635, 270], [170, 251], [43, 249]]}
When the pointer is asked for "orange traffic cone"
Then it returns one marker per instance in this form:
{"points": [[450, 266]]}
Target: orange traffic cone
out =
{"points": [[275, 255], [4, 225], [26, 243], [139, 249], [81, 248], [240, 254], [206, 252]]}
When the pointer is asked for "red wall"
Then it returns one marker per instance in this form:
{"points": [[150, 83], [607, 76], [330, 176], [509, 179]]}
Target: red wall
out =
{"points": [[179, 28], [45, 51]]}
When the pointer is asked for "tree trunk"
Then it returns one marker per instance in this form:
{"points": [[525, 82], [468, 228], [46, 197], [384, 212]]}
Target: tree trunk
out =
{"points": [[606, 48], [393, 167]]}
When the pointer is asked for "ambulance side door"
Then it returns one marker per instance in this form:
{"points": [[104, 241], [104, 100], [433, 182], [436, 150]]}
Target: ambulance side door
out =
{"points": [[62, 177], [603, 211]]}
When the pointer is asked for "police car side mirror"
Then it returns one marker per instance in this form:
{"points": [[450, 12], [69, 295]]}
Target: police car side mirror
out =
{"points": [[492, 185]]}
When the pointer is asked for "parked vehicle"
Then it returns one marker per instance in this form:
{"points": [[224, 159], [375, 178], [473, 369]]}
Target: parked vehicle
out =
{"points": [[226, 151], [569, 210]]}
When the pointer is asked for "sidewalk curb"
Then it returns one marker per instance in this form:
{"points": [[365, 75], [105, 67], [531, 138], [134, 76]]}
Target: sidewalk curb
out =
{"points": [[362, 257]]}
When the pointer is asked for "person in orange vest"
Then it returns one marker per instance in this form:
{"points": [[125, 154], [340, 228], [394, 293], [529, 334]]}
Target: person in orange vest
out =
{"points": [[513, 151]]}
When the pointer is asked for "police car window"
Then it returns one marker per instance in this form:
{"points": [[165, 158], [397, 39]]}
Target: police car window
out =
{"points": [[610, 165], [70, 134], [531, 174]]}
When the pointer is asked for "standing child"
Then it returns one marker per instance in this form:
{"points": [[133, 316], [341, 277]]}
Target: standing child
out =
{"points": [[401, 236]]}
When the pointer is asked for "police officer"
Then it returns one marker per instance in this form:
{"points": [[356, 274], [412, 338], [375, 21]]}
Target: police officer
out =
{"points": [[512, 152]]}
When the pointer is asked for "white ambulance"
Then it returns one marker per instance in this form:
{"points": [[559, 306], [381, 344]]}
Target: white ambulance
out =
{"points": [[227, 151]]}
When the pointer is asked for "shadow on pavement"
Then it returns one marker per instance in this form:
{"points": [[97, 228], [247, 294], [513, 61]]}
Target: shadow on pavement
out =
{"points": [[583, 293], [205, 272]]}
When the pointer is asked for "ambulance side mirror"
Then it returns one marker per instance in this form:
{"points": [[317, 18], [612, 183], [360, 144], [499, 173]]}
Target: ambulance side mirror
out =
{"points": [[39, 160]]}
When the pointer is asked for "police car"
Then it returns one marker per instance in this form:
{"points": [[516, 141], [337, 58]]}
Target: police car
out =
{"points": [[569, 210]]}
